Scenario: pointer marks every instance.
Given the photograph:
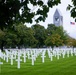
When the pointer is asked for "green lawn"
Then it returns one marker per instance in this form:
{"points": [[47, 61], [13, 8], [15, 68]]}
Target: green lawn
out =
{"points": [[63, 66]]}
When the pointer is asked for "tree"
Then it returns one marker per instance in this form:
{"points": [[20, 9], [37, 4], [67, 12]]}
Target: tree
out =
{"points": [[2, 36], [25, 36], [72, 9], [54, 40], [10, 11], [19, 36], [13, 7], [56, 36], [51, 29], [64, 36], [39, 34], [11, 40], [71, 42]]}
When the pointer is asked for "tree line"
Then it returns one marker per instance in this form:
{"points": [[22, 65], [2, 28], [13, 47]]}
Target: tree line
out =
{"points": [[35, 36]]}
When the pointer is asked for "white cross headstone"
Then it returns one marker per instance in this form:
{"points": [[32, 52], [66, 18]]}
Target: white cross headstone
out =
{"points": [[43, 56], [15, 54], [4, 56], [7, 55], [58, 55], [0, 57], [12, 58], [48, 53], [33, 57], [63, 54], [71, 52], [67, 53], [28, 54], [54, 53], [18, 60], [24, 56], [75, 51], [51, 56]]}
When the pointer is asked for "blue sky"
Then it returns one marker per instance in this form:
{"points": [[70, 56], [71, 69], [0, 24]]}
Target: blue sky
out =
{"points": [[70, 29]]}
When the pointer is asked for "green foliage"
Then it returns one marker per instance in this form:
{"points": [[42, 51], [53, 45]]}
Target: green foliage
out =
{"points": [[53, 2], [51, 29], [54, 40], [56, 36], [13, 7], [62, 33], [26, 36], [2, 34], [19, 35], [11, 39], [39, 34], [72, 9], [71, 42], [36, 36]]}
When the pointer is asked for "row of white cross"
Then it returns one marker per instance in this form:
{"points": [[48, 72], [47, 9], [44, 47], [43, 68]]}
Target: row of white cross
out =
{"points": [[34, 53]]}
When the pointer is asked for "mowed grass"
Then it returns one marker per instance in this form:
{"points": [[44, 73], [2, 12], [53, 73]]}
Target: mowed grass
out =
{"points": [[63, 66]]}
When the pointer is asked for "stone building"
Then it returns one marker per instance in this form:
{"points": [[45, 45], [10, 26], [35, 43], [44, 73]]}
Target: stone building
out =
{"points": [[58, 18]]}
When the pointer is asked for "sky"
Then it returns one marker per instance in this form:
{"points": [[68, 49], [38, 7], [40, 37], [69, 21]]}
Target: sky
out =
{"points": [[70, 29]]}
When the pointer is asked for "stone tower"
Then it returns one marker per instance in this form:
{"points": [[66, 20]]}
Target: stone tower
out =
{"points": [[58, 18]]}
